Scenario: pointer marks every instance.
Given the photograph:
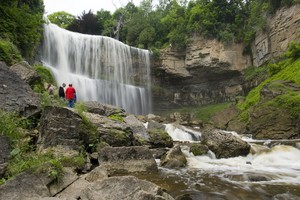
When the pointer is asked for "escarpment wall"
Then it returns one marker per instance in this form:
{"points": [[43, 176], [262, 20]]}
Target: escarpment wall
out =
{"points": [[211, 72], [283, 28], [207, 72]]}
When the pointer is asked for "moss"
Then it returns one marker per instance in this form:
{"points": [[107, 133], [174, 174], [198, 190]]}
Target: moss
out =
{"points": [[160, 138], [45, 74], [203, 113], [198, 149], [290, 72], [117, 117]]}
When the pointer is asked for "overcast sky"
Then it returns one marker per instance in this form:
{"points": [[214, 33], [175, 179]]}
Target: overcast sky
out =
{"points": [[76, 7]]}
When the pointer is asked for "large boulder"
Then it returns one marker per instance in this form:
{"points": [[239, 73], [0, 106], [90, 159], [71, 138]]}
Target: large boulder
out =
{"points": [[127, 159], [139, 130], [59, 127], [26, 73], [159, 138], [113, 132], [26, 186], [126, 188], [4, 154], [224, 144], [15, 94], [173, 158]]}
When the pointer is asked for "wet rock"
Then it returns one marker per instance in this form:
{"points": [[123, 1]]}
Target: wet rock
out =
{"points": [[198, 149], [126, 159], [155, 125], [16, 95], [174, 158], [125, 187], [285, 196], [224, 145], [159, 138], [159, 152], [257, 178]]}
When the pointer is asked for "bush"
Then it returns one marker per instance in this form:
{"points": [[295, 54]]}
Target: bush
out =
{"points": [[45, 74], [9, 52]]}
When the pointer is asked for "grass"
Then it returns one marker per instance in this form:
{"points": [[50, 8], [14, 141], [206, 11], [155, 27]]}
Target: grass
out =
{"points": [[203, 113]]}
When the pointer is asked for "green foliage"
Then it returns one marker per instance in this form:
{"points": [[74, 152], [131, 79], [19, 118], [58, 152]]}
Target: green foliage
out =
{"points": [[9, 53], [285, 71], [61, 18], [203, 113], [80, 107], [198, 149], [116, 117], [10, 126], [21, 23], [45, 74], [293, 50], [252, 72], [289, 101]]}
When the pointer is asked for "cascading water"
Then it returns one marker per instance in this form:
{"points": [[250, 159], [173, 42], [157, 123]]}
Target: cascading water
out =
{"points": [[100, 68], [270, 172]]}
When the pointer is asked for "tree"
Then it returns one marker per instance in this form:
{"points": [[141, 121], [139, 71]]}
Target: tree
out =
{"points": [[86, 23], [61, 18]]}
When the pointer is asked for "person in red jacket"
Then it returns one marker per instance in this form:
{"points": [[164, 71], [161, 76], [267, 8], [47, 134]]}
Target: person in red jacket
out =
{"points": [[70, 96]]}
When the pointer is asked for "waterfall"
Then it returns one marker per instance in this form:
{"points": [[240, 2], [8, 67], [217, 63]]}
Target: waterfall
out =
{"points": [[100, 68]]}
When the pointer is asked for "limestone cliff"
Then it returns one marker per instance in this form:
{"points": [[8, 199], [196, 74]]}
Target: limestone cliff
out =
{"points": [[209, 71], [282, 29]]}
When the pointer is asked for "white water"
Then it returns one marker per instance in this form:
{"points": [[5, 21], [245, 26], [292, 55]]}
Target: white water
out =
{"points": [[181, 133], [279, 164], [100, 68]]}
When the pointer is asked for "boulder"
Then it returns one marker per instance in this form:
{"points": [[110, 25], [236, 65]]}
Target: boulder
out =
{"points": [[159, 138], [138, 129], [126, 188], [155, 125], [4, 154], [16, 95], [26, 186], [222, 118], [173, 158], [113, 132], [198, 149], [127, 159], [103, 109], [26, 73], [59, 127], [224, 144]]}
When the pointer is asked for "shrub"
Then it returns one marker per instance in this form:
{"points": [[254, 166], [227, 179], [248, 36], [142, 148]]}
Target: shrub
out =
{"points": [[9, 52]]}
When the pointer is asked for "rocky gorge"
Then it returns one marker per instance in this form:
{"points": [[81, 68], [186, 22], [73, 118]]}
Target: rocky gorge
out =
{"points": [[99, 151]]}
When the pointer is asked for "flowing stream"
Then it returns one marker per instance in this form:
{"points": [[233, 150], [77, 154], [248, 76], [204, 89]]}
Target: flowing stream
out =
{"points": [[268, 172], [100, 68]]}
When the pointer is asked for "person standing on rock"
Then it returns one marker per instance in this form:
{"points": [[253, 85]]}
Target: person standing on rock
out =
{"points": [[70, 96], [61, 91]]}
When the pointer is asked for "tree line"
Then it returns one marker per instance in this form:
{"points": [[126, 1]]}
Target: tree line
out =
{"points": [[145, 26]]}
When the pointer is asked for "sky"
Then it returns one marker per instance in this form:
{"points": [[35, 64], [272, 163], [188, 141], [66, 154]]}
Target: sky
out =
{"points": [[76, 7]]}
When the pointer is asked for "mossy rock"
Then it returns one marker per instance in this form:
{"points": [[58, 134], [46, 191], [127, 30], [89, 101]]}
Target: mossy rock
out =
{"points": [[159, 138], [198, 149], [115, 137]]}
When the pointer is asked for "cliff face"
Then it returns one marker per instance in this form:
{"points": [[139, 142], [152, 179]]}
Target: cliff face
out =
{"points": [[283, 28], [211, 72], [208, 72]]}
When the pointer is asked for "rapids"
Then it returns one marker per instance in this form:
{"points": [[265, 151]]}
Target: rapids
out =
{"points": [[268, 172], [100, 68]]}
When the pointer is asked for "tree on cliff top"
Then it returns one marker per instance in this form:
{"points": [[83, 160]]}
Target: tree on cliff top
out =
{"points": [[61, 18]]}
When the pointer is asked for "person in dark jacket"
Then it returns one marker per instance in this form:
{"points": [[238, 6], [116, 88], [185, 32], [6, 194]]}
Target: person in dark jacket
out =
{"points": [[61, 91]]}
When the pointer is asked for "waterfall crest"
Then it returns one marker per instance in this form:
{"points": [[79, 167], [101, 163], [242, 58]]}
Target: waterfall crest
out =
{"points": [[100, 68]]}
